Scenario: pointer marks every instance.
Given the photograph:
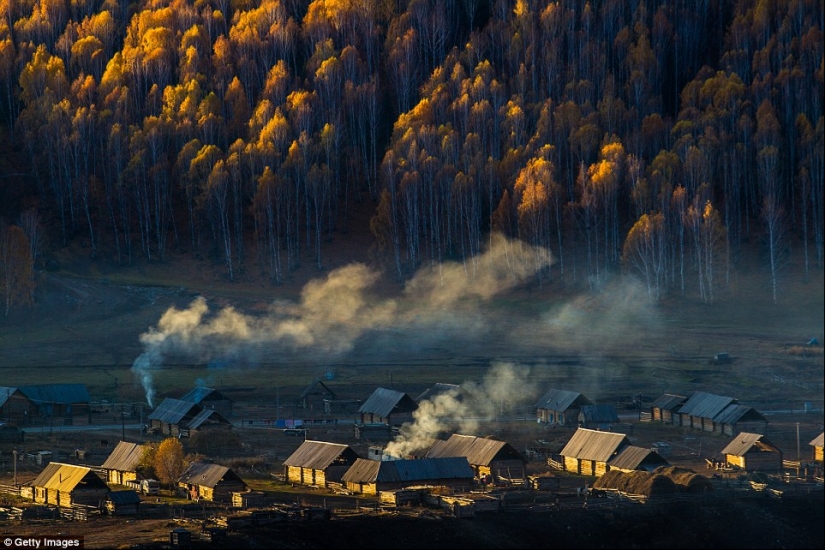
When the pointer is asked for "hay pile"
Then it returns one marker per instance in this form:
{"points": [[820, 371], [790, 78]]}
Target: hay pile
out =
{"points": [[665, 480]]}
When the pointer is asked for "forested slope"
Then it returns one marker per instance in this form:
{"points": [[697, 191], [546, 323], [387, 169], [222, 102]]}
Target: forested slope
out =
{"points": [[658, 137]]}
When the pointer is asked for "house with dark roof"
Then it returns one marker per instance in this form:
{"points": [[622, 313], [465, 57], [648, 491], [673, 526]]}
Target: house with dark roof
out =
{"points": [[319, 462], [314, 395], [720, 414], [598, 417], [67, 485], [370, 477], [560, 407], [632, 458], [666, 407], [588, 452], [452, 390], [122, 503], [209, 398], [752, 452], [179, 418], [490, 459], [122, 463], [212, 482], [40, 404], [384, 410]]}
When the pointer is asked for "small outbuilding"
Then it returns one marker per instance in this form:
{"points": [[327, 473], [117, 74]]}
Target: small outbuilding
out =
{"points": [[122, 503], [370, 477], [178, 418], [314, 395], [632, 458], [67, 485], [598, 417], [589, 452], [560, 407], [121, 465], [319, 462], [753, 452], [666, 408], [489, 458], [383, 411], [720, 414], [213, 482]]}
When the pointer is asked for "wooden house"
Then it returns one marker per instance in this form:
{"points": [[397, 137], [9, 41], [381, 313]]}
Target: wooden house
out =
{"points": [[178, 418], [121, 465], [666, 408], [817, 443], [383, 410], [211, 482], [598, 417], [752, 452], [370, 477], [66, 485], [588, 452], [46, 404], [632, 458], [209, 398], [314, 396], [122, 503], [487, 457], [560, 407], [719, 414], [319, 462]]}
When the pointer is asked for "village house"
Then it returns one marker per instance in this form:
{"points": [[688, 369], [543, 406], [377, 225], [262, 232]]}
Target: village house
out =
{"points": [[318, 463], [66, 485], [560, 407], [212, 482], [209, 398], [588, 452], [719, 414], [598, 417], [384, 410], [817, 444], [122, 503], [312, 398], [632, 458], [46, 404], [492, 460], [665, 408], [370, 477], [178, 418], [121, 465], [753, 452]]}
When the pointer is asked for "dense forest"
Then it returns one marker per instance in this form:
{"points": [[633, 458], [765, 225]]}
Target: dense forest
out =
{"points": [[656, 138]]}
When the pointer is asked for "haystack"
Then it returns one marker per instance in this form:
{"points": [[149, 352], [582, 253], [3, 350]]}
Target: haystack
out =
{"points": [[687, 480], [636, 483]]}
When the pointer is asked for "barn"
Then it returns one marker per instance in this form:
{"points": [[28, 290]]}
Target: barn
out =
{"points": [[209, 398], [560, 407], [719, 414], [211, 482], [319, 462], [384, 409], [588, 452], [752, 452], [121, 465], [598, 417], [67, 485], [666, 408], [817, 443], [370, 477], [56, 404], [632, 458], [179, 418], [487, 457]]}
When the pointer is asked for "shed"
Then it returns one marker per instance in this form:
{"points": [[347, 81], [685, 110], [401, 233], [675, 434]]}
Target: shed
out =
{"points": [[319, 462], [598, 417], [371, 477], [560, 407], [176, 417], [719, 414], [750, 451], [487, 457], [588, 452], [737, 418], [121, 465], [66, 485], [212, 482], [209, 398], [314, 395], [666, 408], [122, 503], [817, 443], [632, 458]]}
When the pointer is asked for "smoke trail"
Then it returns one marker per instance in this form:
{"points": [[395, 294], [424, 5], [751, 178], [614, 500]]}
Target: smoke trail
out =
{"points": [[460, 410]]}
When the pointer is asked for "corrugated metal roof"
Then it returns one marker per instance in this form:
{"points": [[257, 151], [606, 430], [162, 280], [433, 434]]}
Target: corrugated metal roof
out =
{"points": [[594, 445], [479, 451], [125, 457], [668, 402], [734, 413], [560, 400], [65, 477], [206, 414], [384, 402], [172, 411], [5, 393], [439, 388], [319, 455], [742, 443], [205, 474], [416, 470], [631, 457], [705, 405], [818, 441], [196, 395], [63, 394], [599, 413]]}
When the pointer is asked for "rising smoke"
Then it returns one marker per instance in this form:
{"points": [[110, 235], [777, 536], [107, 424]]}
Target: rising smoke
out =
{"points": [[334, 312]]}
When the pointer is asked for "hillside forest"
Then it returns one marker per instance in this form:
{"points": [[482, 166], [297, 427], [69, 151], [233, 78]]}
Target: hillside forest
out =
{"points": [[662, 139]]}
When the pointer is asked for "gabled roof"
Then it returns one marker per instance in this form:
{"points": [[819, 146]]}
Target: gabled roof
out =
{"points": [[415, 470], [594, 445], [668, 402], [705, 405], [560, 400], [196, 395], [207, 475], [599, 413], [319, 455], [479, 451], [5, 393], [734, 413], [62, 394], [316, 387], [438, 389], [125, 497], [744, 442], [206, 416], [818, 441], [172, 411], [65, 477], [384, 402], [631, 457], [125, 457]]}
